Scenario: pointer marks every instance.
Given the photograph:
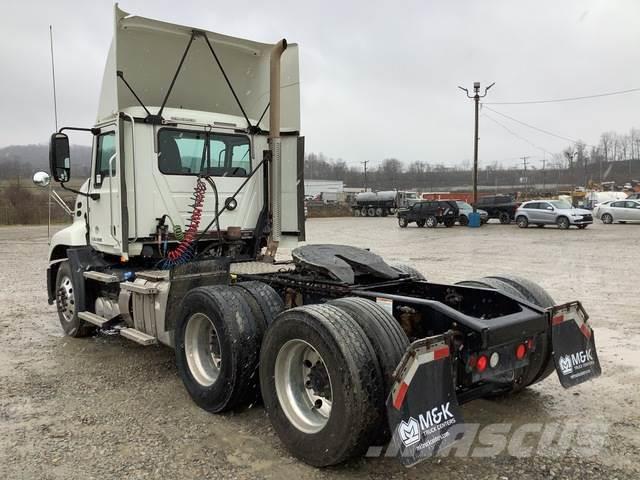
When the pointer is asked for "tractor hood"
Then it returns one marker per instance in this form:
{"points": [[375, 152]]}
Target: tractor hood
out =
{"points": [[148, 53]]}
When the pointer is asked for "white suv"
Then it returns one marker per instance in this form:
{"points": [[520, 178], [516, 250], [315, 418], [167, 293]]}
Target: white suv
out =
{"points": [[552, 212]]}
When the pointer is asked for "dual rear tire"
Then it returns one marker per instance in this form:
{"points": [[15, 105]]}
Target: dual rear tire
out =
{"points": [[217, 342], [325, 373]]}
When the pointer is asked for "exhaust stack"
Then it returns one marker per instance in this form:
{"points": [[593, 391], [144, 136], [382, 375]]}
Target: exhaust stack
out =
{"points": [[275, 173]]}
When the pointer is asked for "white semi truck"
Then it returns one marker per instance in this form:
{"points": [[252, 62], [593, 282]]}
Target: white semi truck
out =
{"points": [[196, 179]]}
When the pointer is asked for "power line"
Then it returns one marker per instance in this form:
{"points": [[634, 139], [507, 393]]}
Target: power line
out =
{"points": [[515, 134], [568, 99], [531, 126]]}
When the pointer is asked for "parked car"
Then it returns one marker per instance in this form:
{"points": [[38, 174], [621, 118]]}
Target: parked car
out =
{"points": [[620, 211], [429, 213], [465, 209], [552, 212], [502, 207]]}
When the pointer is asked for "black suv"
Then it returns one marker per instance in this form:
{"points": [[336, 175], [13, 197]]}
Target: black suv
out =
{"points": [[502, 207], [429, 213]]}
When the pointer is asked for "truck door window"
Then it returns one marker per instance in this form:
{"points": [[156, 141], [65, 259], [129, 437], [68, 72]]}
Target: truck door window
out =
{"points": [[105, 148]]}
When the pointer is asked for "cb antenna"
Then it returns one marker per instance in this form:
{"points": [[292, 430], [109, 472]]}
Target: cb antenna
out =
{"points": [[53, 78], [55, 121]]}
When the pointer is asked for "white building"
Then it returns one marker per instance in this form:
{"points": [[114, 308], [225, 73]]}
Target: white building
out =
{"points": [[328, 190]]}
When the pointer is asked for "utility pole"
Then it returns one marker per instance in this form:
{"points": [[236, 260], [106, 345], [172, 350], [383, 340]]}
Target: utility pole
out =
{"points": [[544, 173], [476, 98], [524, 173], [365, 173]]}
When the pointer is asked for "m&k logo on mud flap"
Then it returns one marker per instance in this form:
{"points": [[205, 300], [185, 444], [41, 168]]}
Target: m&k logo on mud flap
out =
{"points": [[411, 431], [575, 361]]}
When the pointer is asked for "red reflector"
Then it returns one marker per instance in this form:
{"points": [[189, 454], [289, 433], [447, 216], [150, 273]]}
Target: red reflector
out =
{"points": [[481, 363], [521, 351]]}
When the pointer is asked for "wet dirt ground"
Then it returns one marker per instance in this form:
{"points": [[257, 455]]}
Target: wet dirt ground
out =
{"points": [[107, 408]]}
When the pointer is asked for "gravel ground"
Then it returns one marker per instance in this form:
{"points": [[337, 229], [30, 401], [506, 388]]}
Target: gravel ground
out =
{"points": [[107, 408]]}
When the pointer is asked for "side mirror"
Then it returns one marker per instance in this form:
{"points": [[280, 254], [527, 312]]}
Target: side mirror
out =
{"points": [[41, 179], [59, 161], [550, 208]]}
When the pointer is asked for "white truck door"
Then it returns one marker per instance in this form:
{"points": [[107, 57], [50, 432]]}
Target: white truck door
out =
{"points": [[105, 212]]}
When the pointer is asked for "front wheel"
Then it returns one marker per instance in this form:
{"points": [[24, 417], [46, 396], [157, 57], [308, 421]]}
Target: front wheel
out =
{"points": [[563, 223], [321, 384], [463, 220], [607, 218], [522, 221], [403, 222], [66, 302]]}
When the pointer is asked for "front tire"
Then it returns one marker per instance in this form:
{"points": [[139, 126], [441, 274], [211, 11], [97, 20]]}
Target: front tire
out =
{"points": [[463, 220], [607, 218], [563, 223], [403, 222], [67, 305], [217, 342], [321, 384]]}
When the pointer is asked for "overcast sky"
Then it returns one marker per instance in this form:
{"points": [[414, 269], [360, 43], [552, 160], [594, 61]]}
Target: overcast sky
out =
{"points": [[378, 79]]}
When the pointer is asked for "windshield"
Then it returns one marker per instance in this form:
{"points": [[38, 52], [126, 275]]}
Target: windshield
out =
{"points": [[463, 205], [561, 204]]}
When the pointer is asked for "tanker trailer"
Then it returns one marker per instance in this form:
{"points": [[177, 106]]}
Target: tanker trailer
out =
{"points": [[375, 204]]}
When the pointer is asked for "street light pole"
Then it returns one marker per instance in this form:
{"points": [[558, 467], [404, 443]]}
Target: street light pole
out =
{"points": [[476, 98]]}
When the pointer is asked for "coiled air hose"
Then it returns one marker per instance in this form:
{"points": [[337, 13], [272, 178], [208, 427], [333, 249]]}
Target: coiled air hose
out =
{"points": [[183, 252]]}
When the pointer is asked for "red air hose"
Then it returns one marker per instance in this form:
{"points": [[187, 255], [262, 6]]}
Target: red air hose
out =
{"points": [[182, 252]]}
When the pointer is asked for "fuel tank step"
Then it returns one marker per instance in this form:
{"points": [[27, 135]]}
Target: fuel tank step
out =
{"points": [[138, 336], [94, 319]]}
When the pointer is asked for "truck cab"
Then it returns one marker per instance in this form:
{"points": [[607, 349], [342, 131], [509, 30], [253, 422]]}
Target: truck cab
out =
{"points": [[179, 105]]}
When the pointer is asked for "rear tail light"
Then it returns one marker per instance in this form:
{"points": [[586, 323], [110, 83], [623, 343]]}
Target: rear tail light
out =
{"points": [[521, 351], [481, 363]]}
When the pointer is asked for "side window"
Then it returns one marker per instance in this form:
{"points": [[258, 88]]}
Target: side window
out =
{"points": [[617, 204], [105, 149], [531, 206], [631, 205]]}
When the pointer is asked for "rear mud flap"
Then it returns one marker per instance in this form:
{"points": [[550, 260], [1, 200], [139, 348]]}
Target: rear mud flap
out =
{"points": [[424, 415], [574, 347]]}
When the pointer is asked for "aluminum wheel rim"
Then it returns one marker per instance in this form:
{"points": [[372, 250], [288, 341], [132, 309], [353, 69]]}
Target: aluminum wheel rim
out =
{"points": [[66, 299], [202, 349], [431, 222], [306, 408]]}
